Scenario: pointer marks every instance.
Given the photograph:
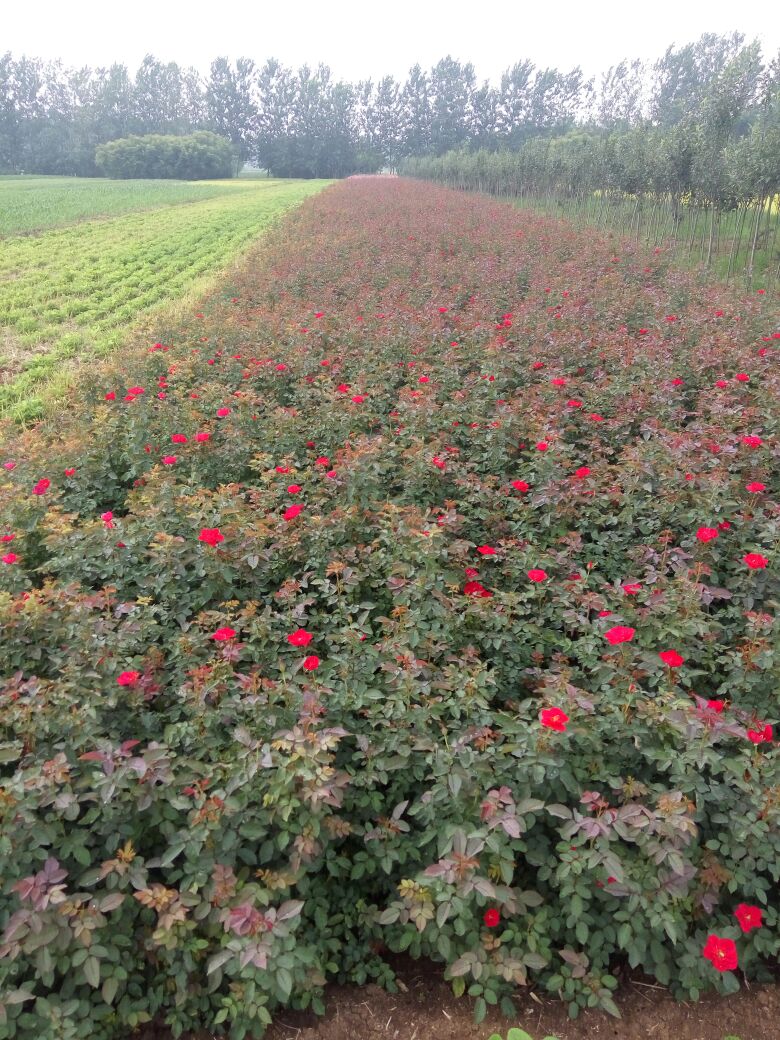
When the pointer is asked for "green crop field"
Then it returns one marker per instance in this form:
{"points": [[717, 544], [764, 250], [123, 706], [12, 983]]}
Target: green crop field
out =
{"points": [[39, 203], [75, 291]]}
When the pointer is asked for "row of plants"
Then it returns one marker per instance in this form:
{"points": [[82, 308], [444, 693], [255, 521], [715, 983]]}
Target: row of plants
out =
{"points": [[30, 204], [416, 594], [73, 292], [713, 197]]}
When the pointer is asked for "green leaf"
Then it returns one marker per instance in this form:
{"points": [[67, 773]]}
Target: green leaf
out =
{"points": [[91, 971], [290, 909], [108, 989], [609, 1005], [11, 751], [284, 981], [218, 960], [480, 1009], [18, 996]]}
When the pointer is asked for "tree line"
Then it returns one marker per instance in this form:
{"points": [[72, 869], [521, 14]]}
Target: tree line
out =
{"points": [[701, 101], [294, 122], [697, 162], [306, 123]]}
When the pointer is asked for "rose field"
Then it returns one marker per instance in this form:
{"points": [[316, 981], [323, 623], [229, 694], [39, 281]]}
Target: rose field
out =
{"points": [[415, 594]]}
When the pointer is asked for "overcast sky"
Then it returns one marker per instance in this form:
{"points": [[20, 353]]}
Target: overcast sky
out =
{"points": [[361, 39]]}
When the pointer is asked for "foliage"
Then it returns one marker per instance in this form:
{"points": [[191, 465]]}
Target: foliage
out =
{"points": [[417, 595], [73, 292], [304, 123], [194, 157]]}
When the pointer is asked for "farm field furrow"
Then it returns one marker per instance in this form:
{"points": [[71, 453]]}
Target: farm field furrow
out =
{"points": [[73, 291], [412, 592]]}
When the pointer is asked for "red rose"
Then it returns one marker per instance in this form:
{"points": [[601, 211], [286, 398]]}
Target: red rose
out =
{"points": [[202, 437], [486, 550], [619, 634], [755, 561], [520, 485], [716, 706], [178, 438], [211, 536], [554, 718], [707, 534], [9, 558], [759, 736], [671, 657], [582, 472], [292, 511], [755, 486], [169, 460], [722, 953], [537, 575], [311, 663], [752, 441], [542, 446], [222, 412], [41, 487], [749, 917], [300, 637], [473, 588], [128, 678], [492, 918], [223, 634]]}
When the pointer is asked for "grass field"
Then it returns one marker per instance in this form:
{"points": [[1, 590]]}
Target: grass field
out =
{"points": [[29, 204], [76, 290]]}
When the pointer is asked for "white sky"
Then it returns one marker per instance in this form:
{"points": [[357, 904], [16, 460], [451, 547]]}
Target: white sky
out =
{"points": [[359, 39]]}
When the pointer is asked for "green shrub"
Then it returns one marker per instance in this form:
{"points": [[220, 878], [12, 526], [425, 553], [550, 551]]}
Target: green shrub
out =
{"points": [[190, 157]]}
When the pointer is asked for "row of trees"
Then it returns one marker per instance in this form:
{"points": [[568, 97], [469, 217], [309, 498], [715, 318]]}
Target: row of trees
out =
{"points": [[306, 123], [710, 181], [294, 122]]}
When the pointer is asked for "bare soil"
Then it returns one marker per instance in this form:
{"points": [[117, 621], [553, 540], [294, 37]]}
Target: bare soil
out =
{"points": [[425, 1009]]}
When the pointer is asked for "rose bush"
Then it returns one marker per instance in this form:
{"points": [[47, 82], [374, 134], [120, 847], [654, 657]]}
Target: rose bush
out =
{"points": [[417, 645]]}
